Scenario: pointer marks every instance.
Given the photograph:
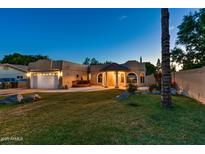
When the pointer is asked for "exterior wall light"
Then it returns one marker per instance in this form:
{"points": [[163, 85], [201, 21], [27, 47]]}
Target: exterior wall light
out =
{"points": [[28, 74], [60, 74]]}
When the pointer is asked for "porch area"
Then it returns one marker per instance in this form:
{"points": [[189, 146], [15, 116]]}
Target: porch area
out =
{"points": [[116, 76]]}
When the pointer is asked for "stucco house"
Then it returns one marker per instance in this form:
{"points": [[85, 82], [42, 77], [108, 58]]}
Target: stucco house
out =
{"points": [[47, 74], [118, 75]]}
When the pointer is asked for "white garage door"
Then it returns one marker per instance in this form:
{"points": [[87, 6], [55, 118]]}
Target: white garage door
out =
{"points": [[44, 81]]}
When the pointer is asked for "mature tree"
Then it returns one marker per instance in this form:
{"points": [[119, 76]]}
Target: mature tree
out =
{"points": [[166, 73], [191, 36], [86, 61], [93, 61], [108, 62], [20, 59], [150, 68]]}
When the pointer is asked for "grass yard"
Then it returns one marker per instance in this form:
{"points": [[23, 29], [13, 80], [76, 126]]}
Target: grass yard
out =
{"points": [[98, 118], [1, 97]]}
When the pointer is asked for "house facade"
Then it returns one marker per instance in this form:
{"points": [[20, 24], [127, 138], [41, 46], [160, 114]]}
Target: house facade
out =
{"points": [[13, 76], [47, 74], [118, 75]]}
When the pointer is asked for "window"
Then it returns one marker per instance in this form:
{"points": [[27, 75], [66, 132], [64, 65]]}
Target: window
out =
{"points": [[89, 76], [99, 78], [142, 77], [122, 78], [131, 78], [6, 68], [19, 77]]}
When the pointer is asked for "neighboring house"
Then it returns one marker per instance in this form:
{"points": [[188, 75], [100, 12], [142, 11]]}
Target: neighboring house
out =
{"points": [[59, 74], [13, 75]]}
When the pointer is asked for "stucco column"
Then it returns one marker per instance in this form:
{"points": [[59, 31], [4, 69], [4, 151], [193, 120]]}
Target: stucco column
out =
{"points": [[60, 85], [29, 82], [125, 79], [106, 83], [103, 79], [116, 80]]}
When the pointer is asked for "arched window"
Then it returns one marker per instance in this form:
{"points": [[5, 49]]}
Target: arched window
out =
{"points": [[77, 76], [122, 77], [131, 78], [142, 77], [99, 78]]}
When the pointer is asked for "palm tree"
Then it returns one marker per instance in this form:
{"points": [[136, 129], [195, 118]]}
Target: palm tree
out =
{"points": [[166, 75]]}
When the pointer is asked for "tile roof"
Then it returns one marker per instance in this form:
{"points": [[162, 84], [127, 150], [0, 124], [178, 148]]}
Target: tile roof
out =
{"points": [[115, 67]]}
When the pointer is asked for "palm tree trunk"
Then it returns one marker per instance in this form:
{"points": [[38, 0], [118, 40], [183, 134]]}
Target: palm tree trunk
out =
{"points": [[166, 73]]}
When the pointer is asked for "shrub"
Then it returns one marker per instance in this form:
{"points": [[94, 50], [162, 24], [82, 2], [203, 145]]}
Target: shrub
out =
{"points": [[80, 83], [66, 87], [133, 103], [158, 77], [154, 86], [131, 88], [174, 85]]}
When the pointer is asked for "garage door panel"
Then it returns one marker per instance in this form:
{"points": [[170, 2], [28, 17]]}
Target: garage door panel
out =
{"points": [[45, 81]]}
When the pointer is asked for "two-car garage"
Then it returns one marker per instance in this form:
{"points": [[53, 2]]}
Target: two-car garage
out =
{"points": [[44, 80]]}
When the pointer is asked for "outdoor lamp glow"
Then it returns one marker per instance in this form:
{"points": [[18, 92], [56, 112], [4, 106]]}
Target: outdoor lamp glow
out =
{"points": [[28, 74], [60, 73]]}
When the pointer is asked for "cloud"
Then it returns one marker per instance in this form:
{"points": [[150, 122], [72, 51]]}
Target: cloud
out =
{"points": [[171, 28], [122, 17]]}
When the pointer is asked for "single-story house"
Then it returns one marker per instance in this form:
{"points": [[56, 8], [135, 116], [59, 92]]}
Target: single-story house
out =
{"points": [[47, 74], [13, 76]]}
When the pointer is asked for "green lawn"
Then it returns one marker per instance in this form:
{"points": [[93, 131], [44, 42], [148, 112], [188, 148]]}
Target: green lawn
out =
{"points": [[1, 97], [98, 118]]}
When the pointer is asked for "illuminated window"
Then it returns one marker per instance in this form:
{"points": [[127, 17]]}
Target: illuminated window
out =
{"points": [[99, 78], [142, 77], [131, 78], [89, 76], [122, 78]]}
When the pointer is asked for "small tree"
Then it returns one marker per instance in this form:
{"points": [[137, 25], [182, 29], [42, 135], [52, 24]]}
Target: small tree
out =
{"points": [[131, 88]]}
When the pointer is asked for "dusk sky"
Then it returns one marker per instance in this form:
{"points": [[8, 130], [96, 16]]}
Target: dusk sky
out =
{"points": [[74, 34]]}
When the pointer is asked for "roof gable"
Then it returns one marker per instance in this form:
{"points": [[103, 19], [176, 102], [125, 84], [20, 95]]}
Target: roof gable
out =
{"points": [[114, 67], [22, 68]]}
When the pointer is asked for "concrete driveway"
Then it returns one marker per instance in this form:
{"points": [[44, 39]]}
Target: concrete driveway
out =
{"points": [[6, 92]]}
